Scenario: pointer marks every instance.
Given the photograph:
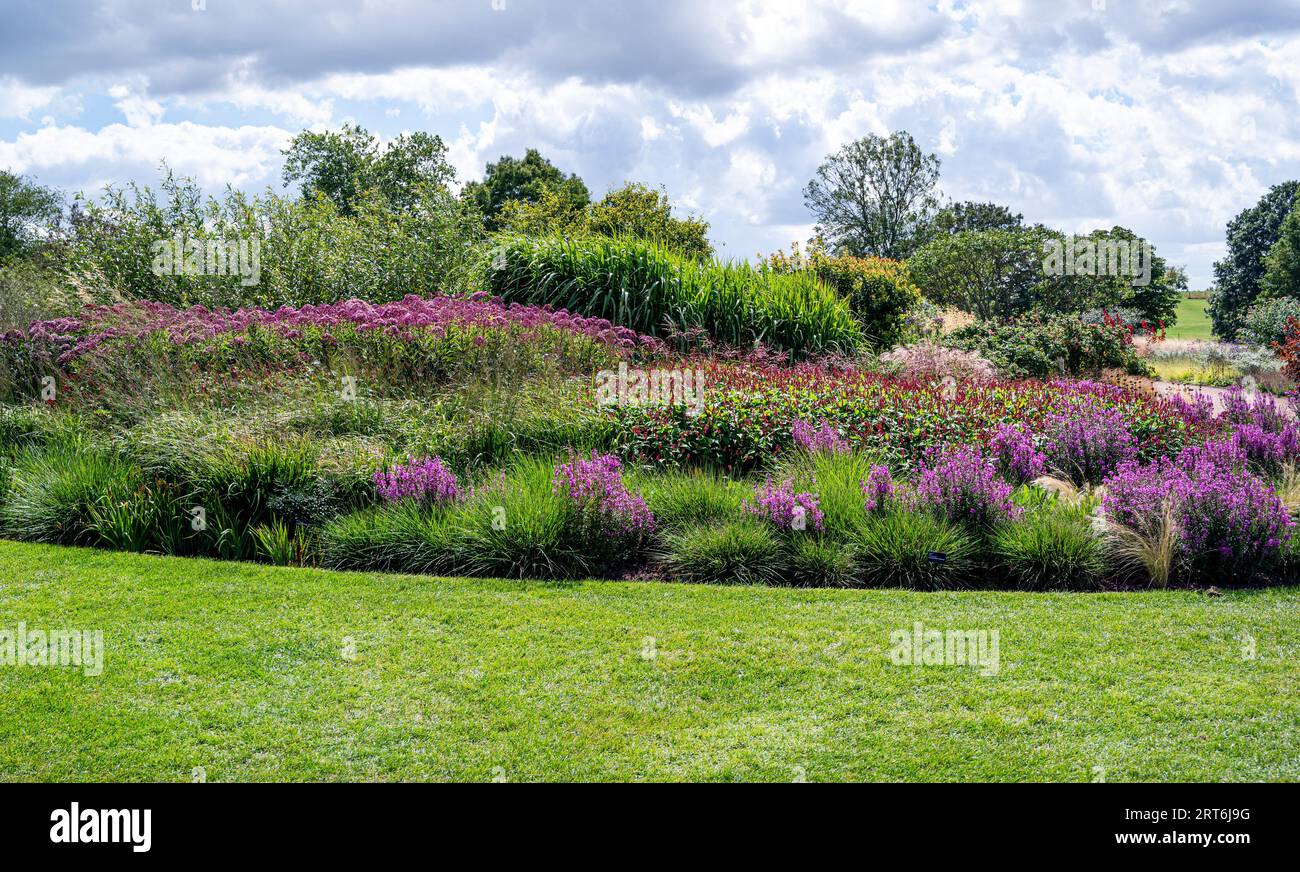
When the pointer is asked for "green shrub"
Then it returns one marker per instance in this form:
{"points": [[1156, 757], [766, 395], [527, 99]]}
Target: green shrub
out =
{"points": [[1266, 322], [650, 289], [917, 550], [1050, 548], [1044, 346], [820, 562], [735, 552], [879, 290], [687, 499]]}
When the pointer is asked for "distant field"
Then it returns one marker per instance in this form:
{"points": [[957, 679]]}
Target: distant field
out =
{"points": [[1193, 321]]}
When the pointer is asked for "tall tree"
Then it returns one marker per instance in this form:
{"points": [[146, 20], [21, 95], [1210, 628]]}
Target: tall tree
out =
{"points": [[875, 196], [1251, 236], [970, 215], [1282, 265], [346, 165], [28, 211], [523, 179]]}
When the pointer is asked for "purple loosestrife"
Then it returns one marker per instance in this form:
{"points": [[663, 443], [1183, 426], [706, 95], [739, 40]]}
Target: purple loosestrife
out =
{"points": [[878, 488], [1226, 516], [824, 439], [1088, 441], [1266, 453], [596, 488], [1253, 407], [964, 487], [787, 510], [1015, 455], [424, 480]]}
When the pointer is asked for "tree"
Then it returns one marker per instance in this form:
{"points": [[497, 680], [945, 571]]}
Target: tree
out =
{"points": [[1282, 265], [1251, 236], [524, 179], [644, 212], [28, 212], [875, 196], [632, 210], [993, 274], [969, 215], [346, 165]]}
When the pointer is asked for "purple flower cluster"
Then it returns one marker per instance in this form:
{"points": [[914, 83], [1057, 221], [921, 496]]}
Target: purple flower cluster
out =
{"points": [[426, 480], [1222, 511], [595, 486], [1266, 452], [779, 504], [878, 487], [1016, 457], [819, 439], [1088, 442], [965, 487], [75, 337], [1254, 407]]}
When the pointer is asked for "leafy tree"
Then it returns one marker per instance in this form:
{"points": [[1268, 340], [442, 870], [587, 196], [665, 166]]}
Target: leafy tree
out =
{"points": [[875, 196], [347, 165], [969, 215], [525, 179], [1282, 265], [993, 274], [1153, 294], [632, 210], [27, 212], [1251, 236]]}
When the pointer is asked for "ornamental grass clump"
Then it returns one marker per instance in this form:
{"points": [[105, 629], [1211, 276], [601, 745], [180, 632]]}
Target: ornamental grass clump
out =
{"points": [[426, 481], [783, 508], [820, 439], [964, 487], [1016, 457], [1088, 442]]}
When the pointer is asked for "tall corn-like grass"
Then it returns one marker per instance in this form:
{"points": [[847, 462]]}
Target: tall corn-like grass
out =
{"points": [[648, 288]]}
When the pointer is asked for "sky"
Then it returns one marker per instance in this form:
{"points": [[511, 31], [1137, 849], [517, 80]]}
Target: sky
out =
{"points": [[1165, 116]]}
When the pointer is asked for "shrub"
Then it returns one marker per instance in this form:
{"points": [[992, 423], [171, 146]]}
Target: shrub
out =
{"points": [[735, 552], [963, 487], [1040, 346], [879, 290], [916, 550], [930, 360], [648, 288], [1050, 548]]}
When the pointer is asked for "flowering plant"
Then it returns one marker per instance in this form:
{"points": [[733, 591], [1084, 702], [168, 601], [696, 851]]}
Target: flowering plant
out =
{"points": [[824, 439], [1015, 455], [877, 488], [779, 504], [965, 487], [426, 480], [595, 487]]}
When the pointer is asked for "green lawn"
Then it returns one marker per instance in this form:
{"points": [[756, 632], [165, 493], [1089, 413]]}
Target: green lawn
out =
{"points": [[240, 669], [1193, 320]]}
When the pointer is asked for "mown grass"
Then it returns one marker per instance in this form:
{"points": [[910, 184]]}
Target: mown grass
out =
{"points": [[240, 669], [1193, 320]]}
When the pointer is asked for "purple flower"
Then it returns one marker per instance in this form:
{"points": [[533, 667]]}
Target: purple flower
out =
{"points": [[1088, 442], [965, 487], [780, 505], [425, 480], [819, 439], [878, 487], [595, 488], [1015, 455]]}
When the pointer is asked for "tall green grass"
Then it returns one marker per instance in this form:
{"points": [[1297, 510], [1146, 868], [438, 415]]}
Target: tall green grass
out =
{"points": [[650, 289]]}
